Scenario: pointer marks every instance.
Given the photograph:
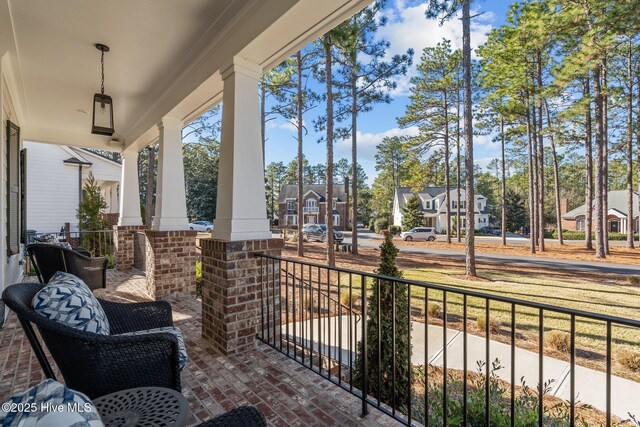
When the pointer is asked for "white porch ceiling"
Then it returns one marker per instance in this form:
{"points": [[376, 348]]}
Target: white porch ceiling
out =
{"points": [[164, 58]]}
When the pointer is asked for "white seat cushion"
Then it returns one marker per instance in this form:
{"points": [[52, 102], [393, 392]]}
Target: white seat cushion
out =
{"points": [[68, 300]]}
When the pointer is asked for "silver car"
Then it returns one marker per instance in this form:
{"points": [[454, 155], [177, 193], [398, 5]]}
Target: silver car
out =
{"points": [[419, 233]]}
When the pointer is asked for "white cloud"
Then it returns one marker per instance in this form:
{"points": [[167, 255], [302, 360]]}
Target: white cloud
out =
{"points": [[367, 142], [407, 28], [286, 125]]}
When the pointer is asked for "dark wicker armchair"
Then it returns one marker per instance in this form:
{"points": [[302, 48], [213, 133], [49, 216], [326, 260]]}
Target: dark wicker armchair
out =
{"points": [[48, 259], [101, 364]]}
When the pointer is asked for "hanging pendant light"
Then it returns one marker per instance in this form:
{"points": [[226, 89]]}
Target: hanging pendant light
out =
{"points": [[102, 104]]}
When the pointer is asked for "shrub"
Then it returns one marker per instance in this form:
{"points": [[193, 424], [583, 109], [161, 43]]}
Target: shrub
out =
{"points": [[434, 310], [580, 235], [345, 300], [198, 279], [634, 280], [494, 324], [380, 224], [395, 229], [629, 359], [558, 340]]}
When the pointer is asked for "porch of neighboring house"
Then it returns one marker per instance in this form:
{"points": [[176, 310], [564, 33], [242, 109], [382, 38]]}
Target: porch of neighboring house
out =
{"points": [[286, 392]]}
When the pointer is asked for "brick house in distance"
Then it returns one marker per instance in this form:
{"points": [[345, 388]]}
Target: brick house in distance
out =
{"points": [[314, 205]]}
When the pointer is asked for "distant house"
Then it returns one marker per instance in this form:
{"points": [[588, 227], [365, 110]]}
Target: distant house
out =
{"points": [[616, 216], [55, 175], [314, 207], [433, 205]]}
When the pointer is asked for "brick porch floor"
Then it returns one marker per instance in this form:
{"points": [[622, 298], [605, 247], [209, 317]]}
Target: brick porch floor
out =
{"points": [[286, 392]]}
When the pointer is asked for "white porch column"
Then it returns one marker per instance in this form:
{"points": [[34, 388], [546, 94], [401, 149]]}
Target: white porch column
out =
{"points": [[241, 212], [171, 204], [129, 190]]}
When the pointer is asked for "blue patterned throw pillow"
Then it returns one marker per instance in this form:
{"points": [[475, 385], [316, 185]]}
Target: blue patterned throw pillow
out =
{"points": [[49, 404], [68, 300], [182, 350]]}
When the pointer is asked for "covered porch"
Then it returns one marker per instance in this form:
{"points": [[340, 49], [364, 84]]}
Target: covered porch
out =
{"points": [[285, 391]]}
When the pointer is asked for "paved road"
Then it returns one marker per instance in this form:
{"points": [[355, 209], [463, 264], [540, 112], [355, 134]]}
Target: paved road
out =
{"points": [[369, 239]]}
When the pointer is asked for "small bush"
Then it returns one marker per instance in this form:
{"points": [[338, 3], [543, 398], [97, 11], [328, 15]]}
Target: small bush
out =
{"points": [[629, 359], [580, 235], [434, 310], [345, 300], [558, 340], [380, 224], [494, 324], [198, 279], [634, 280], [395, 229]]}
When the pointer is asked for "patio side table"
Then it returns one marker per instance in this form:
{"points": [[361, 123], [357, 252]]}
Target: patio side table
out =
{"points": [[143, 406]]}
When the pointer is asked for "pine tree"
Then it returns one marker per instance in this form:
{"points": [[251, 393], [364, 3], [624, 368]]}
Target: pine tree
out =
{"points": [[386, 292], [412, 214]]}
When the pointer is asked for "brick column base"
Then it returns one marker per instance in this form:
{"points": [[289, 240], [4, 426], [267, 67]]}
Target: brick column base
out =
{"points": [[171, 263], [232, 291], [123, 239]]}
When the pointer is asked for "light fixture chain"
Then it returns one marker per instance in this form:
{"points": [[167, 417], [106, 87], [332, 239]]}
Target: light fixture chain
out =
{"points": [[102, 63]]}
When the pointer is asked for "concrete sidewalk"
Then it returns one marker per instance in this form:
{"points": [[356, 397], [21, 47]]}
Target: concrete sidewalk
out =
{"points": [[590, 384]]}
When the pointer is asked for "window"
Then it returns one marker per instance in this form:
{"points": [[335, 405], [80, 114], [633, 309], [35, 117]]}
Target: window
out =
{"points": [[454, 204], [291, 220], [13, 189], [580, 224], [291, 205], [311, 203], [336, 220], [428, 204], [335, 201], [479, 206]]}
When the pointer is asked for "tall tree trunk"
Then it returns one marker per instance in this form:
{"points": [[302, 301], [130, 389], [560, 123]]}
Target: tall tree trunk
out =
{"points": [[556, 174], [536, 181], [532, 201], [459, 171], [541, 227], [300, 157], [630, 224], [354, 159], [470, 255], [149, 206], [503, 198], [588, 151], [331, 261], [638, 157], [599, 180], [447, 173], [605, 156]]}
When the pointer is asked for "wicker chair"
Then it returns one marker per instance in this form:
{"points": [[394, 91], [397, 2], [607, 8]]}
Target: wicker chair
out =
{"points": [[238, 417], [101, 364], [48, 259]]}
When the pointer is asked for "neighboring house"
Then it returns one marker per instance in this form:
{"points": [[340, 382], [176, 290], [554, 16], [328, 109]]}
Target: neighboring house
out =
{"points": [[617, 215], [55, 177], [433, 203], [314, 205]]}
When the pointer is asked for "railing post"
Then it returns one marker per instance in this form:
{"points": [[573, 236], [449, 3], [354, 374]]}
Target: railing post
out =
{"points": [[365, 373]]}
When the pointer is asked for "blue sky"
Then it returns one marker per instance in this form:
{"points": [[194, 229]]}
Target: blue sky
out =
{"points": [[406, 28]]}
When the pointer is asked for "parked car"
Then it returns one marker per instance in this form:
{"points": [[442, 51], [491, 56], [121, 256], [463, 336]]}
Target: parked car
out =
{"points": [[201, 225], [318, 232], [419, 233], [360, 224], [495, 231]]}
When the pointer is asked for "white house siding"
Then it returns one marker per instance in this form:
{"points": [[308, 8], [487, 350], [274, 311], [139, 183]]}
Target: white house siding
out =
{"points": [[11, 270], [52, 188]]}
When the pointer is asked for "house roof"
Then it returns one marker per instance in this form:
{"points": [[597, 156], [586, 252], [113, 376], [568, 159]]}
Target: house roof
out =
{"points": [[290, 191], [617, 201], [403, 195]]}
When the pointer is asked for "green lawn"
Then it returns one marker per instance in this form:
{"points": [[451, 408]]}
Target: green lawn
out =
{"points": [[575, 292]]}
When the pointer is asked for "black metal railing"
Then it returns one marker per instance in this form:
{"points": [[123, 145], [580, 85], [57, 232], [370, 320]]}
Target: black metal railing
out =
{"points": [[99, 243], [363, 332]]}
